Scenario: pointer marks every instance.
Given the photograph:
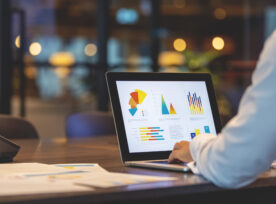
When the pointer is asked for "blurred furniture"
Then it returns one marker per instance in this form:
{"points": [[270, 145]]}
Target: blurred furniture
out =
{"points": [[16, 128], [89, 124]]}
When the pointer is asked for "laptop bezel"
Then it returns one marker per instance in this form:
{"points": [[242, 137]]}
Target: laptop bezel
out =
{"points": [[113, 77]]}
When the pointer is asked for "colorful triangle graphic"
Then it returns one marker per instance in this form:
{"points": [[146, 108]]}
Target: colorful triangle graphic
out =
{"points": [[132, 103], [134, 95], [141, 95], [132, 111], [137, 97], [172, 111], [165, 110]]}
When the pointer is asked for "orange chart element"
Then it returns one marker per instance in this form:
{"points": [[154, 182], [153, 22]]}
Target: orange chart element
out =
{"points": [[165, 110], [134, 96], [172, 111], [132, 103], [137, 97]]}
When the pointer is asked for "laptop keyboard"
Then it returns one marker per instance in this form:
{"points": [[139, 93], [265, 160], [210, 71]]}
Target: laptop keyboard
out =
{"points": [[166, 162]]}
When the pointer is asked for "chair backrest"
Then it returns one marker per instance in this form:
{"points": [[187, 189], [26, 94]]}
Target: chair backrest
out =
{"points": [[89, 124], [16, 128]]}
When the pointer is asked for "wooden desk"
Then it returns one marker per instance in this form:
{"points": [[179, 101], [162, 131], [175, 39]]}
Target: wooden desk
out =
{"points": [[104, 150]]}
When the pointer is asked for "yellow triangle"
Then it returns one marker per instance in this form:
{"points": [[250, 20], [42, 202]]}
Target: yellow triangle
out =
{"points": [[141, 95]]}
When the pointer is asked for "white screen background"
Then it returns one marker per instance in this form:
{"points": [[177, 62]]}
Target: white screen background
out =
{"points": [[173, 127]]}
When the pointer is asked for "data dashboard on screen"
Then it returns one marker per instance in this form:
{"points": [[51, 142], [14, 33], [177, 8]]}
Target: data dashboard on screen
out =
{"points": [[157, 114]]}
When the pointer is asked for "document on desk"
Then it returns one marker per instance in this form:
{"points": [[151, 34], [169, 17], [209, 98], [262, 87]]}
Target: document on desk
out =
{"points": [[118, 179], [37, 186], [96, 176], [33, 178], [63, 171], [29, 168], [88, 167]]}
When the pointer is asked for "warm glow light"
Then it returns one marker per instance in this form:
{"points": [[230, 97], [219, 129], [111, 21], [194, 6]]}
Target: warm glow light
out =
{"points": [[90, 49], [218, 43], [220, 13], [17, 41], [31, 72], [179, 45], [179, 3], [169, 58], [35, 48], [62, 59], [62, 72]]}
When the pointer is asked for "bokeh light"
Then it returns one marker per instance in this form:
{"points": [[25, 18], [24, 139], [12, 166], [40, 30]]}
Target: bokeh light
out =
{"points": [[168, 58], [62, 72], [59, 59], [90, 49], [35, 48], [218, 43], [179, 45], [30, 72], [17, 41], [220, 13], [127, 16]]}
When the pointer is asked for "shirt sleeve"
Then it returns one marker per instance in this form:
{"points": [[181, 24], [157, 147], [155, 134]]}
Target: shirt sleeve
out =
{"points": [[246, 145]]}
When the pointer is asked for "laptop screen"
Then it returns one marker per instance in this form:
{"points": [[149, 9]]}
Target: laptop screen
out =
{"points": [[157, 114]]}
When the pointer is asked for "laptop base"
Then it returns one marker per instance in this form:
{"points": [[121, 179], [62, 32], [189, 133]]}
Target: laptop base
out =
{"points": [[156, 164]]}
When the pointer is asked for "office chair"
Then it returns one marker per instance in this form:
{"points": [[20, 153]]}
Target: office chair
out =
{"points": [[87, 124], [16, 128]]}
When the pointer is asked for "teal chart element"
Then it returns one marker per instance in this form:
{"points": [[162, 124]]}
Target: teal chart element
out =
{"points": [[165, 110], [132, 111]]}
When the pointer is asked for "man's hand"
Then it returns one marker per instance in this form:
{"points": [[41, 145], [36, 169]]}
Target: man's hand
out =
{"points": [[181, 152]]}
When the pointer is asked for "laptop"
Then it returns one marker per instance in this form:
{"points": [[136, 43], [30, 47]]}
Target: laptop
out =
{"points": [[153, 111]]}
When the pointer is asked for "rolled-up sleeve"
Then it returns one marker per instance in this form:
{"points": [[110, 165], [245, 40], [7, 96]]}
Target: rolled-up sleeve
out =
{"points": [[246, 145]]}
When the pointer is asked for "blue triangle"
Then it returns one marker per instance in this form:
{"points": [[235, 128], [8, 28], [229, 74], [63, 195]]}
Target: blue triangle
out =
{"points": [[165, 110], [132, 111]]}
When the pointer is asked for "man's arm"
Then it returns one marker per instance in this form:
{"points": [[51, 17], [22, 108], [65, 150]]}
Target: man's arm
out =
{"points": [[246, 146]]}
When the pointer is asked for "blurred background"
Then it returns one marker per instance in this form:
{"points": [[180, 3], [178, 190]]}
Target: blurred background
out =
{"points": [[54, 53]]}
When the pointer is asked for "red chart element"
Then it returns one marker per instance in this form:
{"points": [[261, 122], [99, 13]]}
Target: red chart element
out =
{"points": [[134, 95]]}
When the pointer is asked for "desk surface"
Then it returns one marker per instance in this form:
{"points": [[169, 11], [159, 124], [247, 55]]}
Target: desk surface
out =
{"points": [[104, 150]]}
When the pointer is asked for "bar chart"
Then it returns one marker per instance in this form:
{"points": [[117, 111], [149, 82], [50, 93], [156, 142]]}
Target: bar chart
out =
{"points": [[195, 104], [151, 133]]}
